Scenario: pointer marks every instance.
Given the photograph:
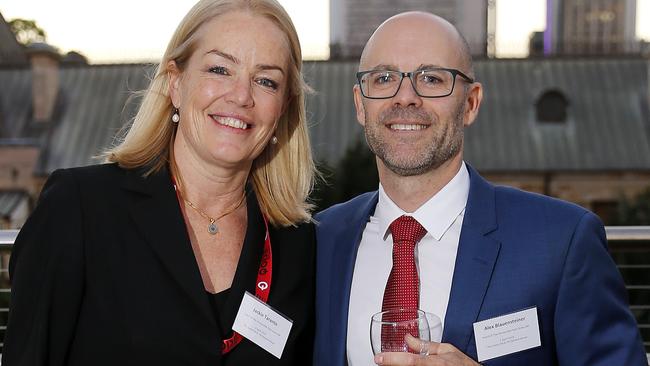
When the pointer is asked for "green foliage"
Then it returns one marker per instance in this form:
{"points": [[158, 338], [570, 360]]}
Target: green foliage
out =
{"points": [[636, 211], [27, 31], [356, 173]]}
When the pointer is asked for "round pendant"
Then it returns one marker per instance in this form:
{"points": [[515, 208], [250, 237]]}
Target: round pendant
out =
{"points": [[212, 228]]}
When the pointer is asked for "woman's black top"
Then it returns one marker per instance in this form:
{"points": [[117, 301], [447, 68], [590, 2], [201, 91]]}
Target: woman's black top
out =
{"points": [[103, 273]]}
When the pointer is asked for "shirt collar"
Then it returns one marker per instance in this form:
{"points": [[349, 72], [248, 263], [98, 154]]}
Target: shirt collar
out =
{"points": [[436, 215]]}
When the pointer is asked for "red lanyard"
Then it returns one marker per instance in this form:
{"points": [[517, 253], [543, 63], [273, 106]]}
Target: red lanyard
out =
{"points": [[262, 285]]}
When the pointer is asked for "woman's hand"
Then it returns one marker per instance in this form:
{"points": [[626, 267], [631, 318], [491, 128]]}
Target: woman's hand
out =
{"points": [[439, 354]]}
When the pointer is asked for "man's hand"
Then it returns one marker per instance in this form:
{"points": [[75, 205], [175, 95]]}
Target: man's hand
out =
{"points": [[439, 354]]}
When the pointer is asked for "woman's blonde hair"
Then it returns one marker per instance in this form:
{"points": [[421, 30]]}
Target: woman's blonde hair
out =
{"points": [[283, 175]]}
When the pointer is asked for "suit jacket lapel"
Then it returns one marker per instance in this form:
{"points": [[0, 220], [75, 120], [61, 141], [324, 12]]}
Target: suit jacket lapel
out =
{"points": [[346, 245], [477, 255], [157, 215]]}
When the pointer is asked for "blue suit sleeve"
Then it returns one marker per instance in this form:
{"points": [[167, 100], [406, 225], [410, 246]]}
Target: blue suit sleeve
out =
{"points": [[593, 323]]}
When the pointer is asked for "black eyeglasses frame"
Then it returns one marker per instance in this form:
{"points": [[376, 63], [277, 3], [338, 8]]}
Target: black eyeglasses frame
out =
{"points": [[409, 74]]}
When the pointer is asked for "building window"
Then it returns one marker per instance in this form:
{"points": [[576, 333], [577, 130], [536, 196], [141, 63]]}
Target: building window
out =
{"points": [[551, 107]]}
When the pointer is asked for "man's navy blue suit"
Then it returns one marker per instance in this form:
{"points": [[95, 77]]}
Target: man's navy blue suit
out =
{"points": [[517, 250]]}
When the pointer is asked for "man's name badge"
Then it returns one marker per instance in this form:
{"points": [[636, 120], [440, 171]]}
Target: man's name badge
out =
{"points": [[262, 325], [507, 334]]}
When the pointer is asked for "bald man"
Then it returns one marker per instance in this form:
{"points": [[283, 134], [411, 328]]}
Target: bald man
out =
{"points": [[517, 278]]}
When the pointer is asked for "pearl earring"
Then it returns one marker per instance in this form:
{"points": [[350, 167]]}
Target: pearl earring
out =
{"points": [[274, 140], [176, 117]]}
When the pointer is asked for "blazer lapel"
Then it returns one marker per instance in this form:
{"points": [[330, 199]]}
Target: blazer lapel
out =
{"points": [[477, 255], [346, 245], [157, 215]]}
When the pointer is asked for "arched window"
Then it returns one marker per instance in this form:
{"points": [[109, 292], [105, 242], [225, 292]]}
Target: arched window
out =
{"points": [[551, 107]]}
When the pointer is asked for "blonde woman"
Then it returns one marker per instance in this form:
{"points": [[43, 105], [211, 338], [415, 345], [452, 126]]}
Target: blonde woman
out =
{"points": [[148, 259]]}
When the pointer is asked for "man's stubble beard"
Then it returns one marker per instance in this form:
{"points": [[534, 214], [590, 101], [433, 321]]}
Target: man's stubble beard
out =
{"points": [[445, 145]]}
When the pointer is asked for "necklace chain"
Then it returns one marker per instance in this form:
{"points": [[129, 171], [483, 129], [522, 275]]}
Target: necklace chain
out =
{"points": [[212, 227]]}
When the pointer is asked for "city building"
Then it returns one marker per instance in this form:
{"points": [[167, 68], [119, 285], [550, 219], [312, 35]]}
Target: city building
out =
{"points": [[353, 21], [571, 127], [590, 27], [11, 52]]}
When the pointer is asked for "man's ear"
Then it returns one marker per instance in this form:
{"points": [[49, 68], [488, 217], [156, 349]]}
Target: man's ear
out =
{"points": [[174, 75], [472, 103], [358, 105]]}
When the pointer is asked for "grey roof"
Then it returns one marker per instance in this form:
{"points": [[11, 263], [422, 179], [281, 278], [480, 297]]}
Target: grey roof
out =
{"points": [[330, 108], [608, 126], [11, 52], [15, 103], [93, 112], [9, 200], [90, 111], [42, 47]]}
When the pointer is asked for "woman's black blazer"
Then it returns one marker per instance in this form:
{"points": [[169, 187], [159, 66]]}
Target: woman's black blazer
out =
{"points": [[103, 273]]}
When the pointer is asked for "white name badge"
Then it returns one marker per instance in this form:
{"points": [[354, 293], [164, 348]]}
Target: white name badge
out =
{"points": [[507, 334], [262, 325]]}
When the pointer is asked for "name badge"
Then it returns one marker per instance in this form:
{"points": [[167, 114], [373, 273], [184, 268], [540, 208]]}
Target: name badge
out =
{"points": [[262, 325], [507, 334]]}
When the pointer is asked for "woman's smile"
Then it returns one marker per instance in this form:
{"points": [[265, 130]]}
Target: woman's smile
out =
{"points": [[231, 122]]}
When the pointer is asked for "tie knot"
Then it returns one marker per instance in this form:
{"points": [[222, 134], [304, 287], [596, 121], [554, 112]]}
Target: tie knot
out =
{"points": [[406, 228]]}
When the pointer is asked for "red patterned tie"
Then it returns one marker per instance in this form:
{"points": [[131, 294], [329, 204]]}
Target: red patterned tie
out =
{"points": [[403, 287]]}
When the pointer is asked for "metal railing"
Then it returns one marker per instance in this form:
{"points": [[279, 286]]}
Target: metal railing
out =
{"points": [[629, 246], [7, 238]]}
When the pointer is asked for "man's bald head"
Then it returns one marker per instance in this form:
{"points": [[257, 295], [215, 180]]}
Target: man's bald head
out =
{"points": [[406, 31], [413, 134]]}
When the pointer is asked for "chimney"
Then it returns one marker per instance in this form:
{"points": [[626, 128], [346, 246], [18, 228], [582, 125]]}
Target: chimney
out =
{"points": [[536, 44], [44, 60]]}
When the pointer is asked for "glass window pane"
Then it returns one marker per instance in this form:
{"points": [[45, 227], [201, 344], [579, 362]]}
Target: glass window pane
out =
{"points": [[434, 82], [381, 83]]}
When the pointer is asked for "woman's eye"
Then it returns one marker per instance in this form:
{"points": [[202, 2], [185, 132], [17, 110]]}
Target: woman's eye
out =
{"points": [[220, 70], [268, 83]]}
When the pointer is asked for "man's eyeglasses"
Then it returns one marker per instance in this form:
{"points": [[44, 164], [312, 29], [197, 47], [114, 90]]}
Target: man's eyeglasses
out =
{"points": [[428, 83]]}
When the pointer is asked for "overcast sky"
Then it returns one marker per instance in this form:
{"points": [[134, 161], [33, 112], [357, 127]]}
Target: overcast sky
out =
{"points": [[138, 30]]}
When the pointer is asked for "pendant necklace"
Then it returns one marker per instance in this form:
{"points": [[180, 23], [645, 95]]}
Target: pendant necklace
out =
{"points": [[212, 226]]}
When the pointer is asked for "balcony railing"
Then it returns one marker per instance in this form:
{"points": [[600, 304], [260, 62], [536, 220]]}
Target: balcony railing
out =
{"points": [[7, 238], [629, 246]]}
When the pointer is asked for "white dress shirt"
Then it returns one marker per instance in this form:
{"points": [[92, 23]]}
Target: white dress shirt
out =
{"points": [[435, 255]]}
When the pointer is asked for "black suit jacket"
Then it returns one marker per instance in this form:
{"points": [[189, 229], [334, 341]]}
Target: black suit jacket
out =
{"points": [[103, 273]]}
